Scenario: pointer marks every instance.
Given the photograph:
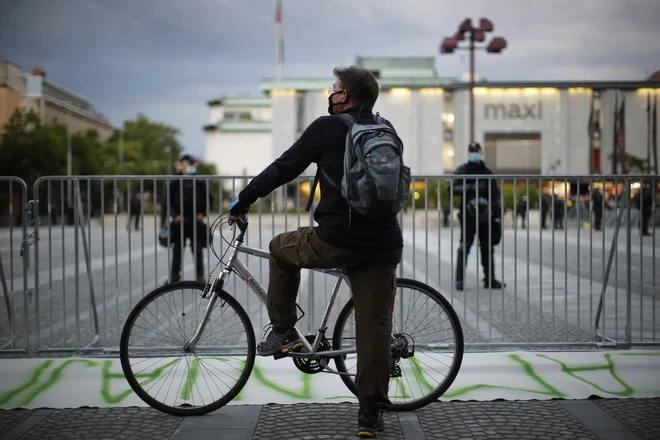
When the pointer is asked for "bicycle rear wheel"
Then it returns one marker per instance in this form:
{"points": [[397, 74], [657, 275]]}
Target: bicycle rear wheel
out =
{"points": [[427, 346], [197, 382]]}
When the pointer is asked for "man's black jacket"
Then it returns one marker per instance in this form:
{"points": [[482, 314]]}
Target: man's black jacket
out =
{"points": [[470, 185], [194, 194], [324, 143]]}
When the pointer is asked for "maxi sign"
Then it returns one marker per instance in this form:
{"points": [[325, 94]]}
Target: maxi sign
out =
{"points": [[522, 111]]}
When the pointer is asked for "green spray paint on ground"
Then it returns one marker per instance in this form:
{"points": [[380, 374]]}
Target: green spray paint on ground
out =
{"points": [[44, 376]]}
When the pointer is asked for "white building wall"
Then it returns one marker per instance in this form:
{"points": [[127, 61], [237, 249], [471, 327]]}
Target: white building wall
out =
{"points": [[608, 104], [315, 105], [560, 116], [284, 121], [238, 154], [397, 107], [574, 148], [636, 123], [461, 134], [430, 143]]}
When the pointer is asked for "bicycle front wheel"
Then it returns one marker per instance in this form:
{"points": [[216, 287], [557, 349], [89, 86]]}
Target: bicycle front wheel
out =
{"points": [[186, 383], [427, 346]]}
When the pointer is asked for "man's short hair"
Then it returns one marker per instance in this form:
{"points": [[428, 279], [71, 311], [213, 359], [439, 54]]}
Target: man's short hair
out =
{"points": [[360, 83], [188, 158]]}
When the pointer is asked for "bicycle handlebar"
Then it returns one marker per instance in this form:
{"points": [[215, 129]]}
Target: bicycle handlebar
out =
{"points": [[241, 222]]}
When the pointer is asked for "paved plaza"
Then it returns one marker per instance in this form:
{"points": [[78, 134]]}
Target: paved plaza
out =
{"points": [[554, 281], [615, 419]]}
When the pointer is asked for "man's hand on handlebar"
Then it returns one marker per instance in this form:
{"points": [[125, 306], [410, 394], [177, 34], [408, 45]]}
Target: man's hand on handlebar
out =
{"points": [[238, 212]]}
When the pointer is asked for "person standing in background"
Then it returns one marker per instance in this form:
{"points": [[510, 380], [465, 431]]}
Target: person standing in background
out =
{"points": [[188, 205], [134, 209], [479, 215]]}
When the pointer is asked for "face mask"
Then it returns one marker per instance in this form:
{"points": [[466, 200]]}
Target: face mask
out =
{"points": [[331, 105], [191, 170], [475, 157]]}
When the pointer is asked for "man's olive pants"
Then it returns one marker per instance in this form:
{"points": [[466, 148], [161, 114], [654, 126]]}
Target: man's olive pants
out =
{"points": [[372, 274]]}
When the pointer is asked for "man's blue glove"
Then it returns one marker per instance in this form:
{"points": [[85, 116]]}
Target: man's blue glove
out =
{"points": [[238, 208], [234, 203]]}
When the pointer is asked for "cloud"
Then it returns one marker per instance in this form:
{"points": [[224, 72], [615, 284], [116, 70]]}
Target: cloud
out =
{"points": [[166, 58]]}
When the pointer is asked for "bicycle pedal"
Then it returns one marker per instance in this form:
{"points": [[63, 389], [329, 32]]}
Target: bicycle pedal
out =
{"points": [[281, 355]]}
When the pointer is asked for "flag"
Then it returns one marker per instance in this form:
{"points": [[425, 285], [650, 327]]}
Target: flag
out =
{"points": [[655, 134], [622, 136], [615, 138], [648, 132], [591, 129], [280, 38]]}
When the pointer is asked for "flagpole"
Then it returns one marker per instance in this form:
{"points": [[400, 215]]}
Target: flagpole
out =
{"points": [[615, 138], [590, 131], [279, 40], [622, 135], [655, 133], [648, 133]]}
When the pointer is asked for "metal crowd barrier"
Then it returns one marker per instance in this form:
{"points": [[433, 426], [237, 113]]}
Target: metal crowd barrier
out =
{"points": [[569, 284], [14, 265]]}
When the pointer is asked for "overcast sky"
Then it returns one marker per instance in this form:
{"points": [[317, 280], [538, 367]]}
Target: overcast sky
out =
{"points": [[166, 58]]}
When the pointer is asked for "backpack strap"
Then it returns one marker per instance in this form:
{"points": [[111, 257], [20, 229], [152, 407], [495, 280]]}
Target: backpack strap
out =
{"points": [[312, 191], [347, 119]]}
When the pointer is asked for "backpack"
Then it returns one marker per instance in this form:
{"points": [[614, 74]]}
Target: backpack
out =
{"points": [[376, 182]]}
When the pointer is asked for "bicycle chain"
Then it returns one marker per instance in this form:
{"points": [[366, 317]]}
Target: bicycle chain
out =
{"points": [[395, 368]]}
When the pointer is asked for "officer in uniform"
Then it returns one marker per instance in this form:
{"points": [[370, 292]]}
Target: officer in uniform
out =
{"points": [[477, 211]]}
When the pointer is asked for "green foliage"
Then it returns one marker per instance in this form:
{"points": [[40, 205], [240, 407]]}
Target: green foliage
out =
{"points": [[635, 164], [444, 198], [30, 149]]}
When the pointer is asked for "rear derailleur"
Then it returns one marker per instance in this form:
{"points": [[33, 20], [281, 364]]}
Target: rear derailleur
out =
{"points": [[403, 347]]}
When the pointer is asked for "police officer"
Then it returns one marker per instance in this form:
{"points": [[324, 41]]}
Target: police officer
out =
{"points": [[476, 213], [193, 194]]}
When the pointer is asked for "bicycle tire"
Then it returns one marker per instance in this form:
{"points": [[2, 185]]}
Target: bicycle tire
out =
{"points": [[128, 372], [456, 365]]}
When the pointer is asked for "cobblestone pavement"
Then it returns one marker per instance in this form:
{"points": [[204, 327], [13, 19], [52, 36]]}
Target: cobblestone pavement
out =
{"points": [[620, 419]]}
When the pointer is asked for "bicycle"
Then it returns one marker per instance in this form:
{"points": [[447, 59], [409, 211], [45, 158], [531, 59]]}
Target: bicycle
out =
{"points": [[312, 357]]}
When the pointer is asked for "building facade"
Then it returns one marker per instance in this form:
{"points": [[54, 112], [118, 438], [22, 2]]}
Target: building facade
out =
{"points": [[239, 135], [50, 100], [11, 91], [524, 127]]}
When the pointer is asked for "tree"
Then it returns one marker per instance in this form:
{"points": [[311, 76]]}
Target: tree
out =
{"points": [[635, 164], [145, 146], [29, 149]]}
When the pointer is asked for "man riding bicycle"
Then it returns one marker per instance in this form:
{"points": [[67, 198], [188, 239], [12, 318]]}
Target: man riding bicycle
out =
{"points": [[370, 249]]}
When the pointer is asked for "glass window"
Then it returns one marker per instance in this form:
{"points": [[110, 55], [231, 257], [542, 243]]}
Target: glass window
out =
{"points": [[511, 153], [237, 116]]}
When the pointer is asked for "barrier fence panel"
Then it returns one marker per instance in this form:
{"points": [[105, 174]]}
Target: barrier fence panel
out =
{"points": [[14, 265], [577, 271]]}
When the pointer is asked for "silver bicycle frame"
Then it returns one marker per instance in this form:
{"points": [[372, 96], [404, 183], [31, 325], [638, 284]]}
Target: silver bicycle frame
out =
{"points": [[236, 265]]}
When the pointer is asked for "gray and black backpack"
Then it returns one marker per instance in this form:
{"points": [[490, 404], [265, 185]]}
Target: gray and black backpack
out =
{"points": [[376, 182]]}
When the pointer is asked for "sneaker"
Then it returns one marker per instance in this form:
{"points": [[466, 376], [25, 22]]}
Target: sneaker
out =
{"points": [[370, 423], [279, 343], [494, 284]]}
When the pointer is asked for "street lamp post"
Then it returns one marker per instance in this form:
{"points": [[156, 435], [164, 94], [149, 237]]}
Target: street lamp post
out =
{"points": [[475, 34], [168, 150]]}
